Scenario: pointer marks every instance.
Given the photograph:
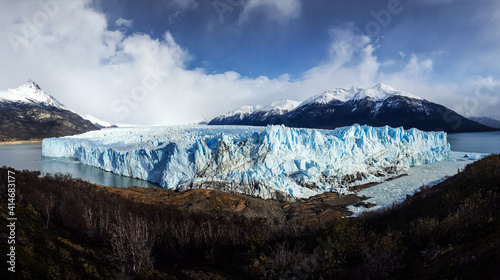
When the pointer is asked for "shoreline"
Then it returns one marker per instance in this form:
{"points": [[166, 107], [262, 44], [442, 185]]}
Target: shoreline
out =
{"points": [[17, 142]]}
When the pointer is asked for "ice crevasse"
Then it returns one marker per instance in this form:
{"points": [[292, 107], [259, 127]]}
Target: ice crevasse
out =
{"points": [[269, 162]]}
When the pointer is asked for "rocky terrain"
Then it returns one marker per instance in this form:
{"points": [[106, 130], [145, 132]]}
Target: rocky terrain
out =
{"points": [[321, 208]]}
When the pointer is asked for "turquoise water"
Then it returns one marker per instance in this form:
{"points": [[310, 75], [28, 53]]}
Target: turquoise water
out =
{"points": [[29, 156]]}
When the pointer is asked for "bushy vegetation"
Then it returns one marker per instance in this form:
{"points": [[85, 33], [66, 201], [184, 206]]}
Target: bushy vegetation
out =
{"points": [[70, 229]]}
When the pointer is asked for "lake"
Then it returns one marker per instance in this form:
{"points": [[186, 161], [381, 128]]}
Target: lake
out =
{"points": [[29, 156], [479, 142]]}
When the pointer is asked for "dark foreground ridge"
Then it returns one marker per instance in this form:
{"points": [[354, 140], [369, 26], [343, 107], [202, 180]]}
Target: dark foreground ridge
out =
{"points": [[70, 229]]}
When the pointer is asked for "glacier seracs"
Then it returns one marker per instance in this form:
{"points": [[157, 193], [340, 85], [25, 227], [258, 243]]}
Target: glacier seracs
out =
{"points": [[269, 162]]}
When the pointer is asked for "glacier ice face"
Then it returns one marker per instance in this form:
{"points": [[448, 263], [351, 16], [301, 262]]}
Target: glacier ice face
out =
{"points": [[271, 162]]}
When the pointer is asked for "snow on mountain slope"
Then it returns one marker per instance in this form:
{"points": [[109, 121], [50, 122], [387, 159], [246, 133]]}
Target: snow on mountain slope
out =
{"points": [[97, 122], [269, 162], [30, 94], [242, 111], [27, 112], [378, 92], [329, 95], [275, 108], [280, 107]]}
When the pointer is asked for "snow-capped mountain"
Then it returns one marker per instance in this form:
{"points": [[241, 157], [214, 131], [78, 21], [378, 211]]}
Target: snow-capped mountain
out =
{"points": [[378, 92], [98, 122], [30, 94], [280, 107], [27, 112], [257, 115], [376, 106]]}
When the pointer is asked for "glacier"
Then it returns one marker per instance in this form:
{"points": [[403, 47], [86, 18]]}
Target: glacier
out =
{"points": [[269, 162]]}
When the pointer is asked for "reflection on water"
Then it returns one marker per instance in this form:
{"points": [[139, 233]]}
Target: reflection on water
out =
{"points": [[29, 156]]}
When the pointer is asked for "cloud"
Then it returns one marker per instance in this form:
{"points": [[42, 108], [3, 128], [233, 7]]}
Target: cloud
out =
{"points": [[130, 79], [280, 10], [183, 4], [124, 23], [134, 78], [480, 96], [345, 44], [353, 61]]}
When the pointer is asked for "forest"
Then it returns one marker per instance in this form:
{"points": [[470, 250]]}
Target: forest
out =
{"points": [[70, 229]]}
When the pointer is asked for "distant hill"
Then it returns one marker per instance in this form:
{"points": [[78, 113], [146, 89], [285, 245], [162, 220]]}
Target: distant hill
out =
{"points": [[27, 112], [486, 121], [377, 106]]}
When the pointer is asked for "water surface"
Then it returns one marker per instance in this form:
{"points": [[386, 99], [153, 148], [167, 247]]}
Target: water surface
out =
{"points": [[29, 156], [479, 142]]}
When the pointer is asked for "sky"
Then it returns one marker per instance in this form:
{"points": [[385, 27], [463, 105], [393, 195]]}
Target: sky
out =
{"points": [[166, 62]]}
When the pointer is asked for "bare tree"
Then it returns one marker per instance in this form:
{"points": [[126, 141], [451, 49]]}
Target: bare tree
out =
{"points": [[49, 203], [131, 242]]}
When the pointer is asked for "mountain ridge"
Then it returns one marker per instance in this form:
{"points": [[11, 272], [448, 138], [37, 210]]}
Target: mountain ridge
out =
{"points": [[27, 113], [491, 122], [376, 106]]}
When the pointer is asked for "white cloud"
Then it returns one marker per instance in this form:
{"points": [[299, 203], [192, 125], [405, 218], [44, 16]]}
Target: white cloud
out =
{"points": [[183, 4], [136, 79], [417, 67], [345, 44], [480, 96], [131, 79], [281, 10], [477, 96], [121, 22]]}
